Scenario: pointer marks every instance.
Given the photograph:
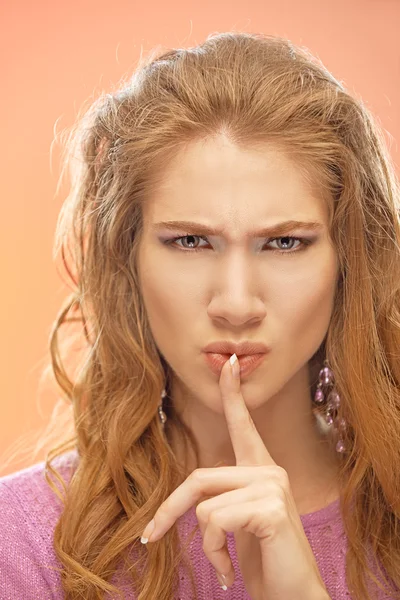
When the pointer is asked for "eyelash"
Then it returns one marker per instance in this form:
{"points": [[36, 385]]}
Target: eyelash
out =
{"points": [[304, 241]]}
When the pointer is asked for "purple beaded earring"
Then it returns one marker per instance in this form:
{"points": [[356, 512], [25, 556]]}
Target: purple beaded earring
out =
{"points": [[161, 414], [326, 391]]}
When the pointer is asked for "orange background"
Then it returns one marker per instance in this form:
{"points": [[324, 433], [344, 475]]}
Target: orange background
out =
{"points": [[57, 56]]}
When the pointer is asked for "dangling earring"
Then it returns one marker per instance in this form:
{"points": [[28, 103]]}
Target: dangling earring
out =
{"points": [[161, 414], [326, 390]]}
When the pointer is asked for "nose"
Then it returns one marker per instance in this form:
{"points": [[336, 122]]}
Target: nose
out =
{"points": [[236, 296]]}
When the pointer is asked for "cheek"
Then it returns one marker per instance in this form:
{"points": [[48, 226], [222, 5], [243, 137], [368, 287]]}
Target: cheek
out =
{"points": [[158, 303], [305, 308], [169, 299]]}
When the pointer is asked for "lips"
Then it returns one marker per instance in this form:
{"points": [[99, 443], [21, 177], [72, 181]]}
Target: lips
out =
{"points": [[248, 363], [244, 348]]}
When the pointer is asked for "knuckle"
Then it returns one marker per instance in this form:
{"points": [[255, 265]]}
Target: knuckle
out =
{"points": [[196, 475], [197, 480], [213, 518], [201, 480], [282, 476], [201, 512], [277, 512], [276, 474]]}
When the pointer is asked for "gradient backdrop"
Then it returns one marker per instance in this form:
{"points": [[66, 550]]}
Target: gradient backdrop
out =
{"points": [[56, 56]]}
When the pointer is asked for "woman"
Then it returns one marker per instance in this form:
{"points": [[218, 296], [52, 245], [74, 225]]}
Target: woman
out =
{"points": [[233, 207]]}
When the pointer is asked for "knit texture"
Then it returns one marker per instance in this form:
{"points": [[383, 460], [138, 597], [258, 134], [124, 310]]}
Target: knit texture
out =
{"points": [[30, 510]]}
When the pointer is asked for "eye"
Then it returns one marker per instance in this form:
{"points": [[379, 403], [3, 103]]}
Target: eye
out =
{"points": [[191, 242], [288, 241]]}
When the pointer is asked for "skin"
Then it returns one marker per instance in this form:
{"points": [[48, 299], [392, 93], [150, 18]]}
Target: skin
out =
{"points": [[239, 289], [253, 499]]}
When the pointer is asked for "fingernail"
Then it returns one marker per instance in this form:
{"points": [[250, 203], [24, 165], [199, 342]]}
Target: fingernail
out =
{"points": [[148, 530], [235, 365], [222, 579]]}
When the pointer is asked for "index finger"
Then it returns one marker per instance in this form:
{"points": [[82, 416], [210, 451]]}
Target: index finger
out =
{"points": [[247, 443]]}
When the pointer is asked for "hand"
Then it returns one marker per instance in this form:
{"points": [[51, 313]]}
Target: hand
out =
{"points": [[254, 500]]}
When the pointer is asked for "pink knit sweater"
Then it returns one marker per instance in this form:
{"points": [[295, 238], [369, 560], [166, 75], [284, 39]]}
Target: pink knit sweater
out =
{"points": [[30, 510]]}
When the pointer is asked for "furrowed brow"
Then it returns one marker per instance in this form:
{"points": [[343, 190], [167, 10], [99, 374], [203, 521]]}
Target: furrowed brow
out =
{"points": [[278, 229]]}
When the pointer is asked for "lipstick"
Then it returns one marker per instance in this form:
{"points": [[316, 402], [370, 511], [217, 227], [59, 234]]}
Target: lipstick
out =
{"points": [[248, 363]]}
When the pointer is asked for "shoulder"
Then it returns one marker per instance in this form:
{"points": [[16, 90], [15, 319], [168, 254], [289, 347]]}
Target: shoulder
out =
{"points": [[29, 513], [25, 481]]}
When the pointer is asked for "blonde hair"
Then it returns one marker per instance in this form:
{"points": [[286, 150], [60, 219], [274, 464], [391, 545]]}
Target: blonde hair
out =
{"points": [[256, 89]]}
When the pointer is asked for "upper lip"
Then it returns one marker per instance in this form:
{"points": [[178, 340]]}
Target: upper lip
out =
{"points": [[240, 348]]}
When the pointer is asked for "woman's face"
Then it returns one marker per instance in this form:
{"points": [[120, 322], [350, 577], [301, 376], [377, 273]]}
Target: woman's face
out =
{"points": [[235, 287]]}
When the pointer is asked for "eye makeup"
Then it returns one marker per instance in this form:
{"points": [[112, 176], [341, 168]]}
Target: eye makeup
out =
{"points": [[172, 243]]}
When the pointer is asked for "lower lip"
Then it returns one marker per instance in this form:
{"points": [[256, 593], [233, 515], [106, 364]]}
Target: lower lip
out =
{"points": [[248, 363]]}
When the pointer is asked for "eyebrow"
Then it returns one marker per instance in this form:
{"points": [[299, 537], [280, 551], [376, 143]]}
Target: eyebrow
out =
{"points": [[282, 228]]}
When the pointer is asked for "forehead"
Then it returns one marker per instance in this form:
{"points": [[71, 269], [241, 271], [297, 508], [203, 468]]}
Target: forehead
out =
{"points": [[218, 179]]}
